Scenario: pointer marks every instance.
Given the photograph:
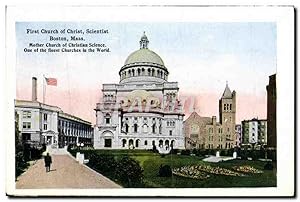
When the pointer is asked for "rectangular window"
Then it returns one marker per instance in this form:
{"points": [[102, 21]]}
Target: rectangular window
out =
{"points": [[170, 132], [45, 117], [224, 106], [26, 125], [107, 120], [230, 106], [26, 114], [45, 126]]}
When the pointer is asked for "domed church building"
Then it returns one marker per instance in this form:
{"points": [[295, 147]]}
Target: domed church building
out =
{"points": [[143, 109]]}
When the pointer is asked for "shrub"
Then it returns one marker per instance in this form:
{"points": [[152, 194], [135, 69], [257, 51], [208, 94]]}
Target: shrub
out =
{"points": [[268, 166], [105, 164], [165, 171], [129, 172], [223, 153], [244, 154], [186, 152], [174, 151]]}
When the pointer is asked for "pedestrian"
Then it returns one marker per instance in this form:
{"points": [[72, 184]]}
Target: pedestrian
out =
{"points": [[48, 161]]}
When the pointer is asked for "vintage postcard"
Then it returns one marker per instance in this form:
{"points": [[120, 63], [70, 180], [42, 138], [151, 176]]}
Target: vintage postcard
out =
{"points": [[150, 101]]}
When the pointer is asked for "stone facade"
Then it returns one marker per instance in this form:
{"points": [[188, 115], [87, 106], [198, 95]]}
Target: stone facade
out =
{"points": [[271, 112], [207, 133], [143, 109], [254, 132], [40, 123]]}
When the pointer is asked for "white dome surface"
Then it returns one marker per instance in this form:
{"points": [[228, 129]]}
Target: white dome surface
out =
{"points": [[144, 56]]}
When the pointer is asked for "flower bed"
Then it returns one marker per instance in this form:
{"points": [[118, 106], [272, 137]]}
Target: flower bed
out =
{"points": [[201, 171], [190, 172], [218, 170], [247, 169]]}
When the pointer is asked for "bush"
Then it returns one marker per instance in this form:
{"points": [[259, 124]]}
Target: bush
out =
{"points": [[165, 171], [186, 152], [223, 153], [104, 164], [268, 166], [129, 172], [244, 154], [174, 151]]}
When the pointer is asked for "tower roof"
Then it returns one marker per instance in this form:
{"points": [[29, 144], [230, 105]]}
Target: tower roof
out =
{"points": [[227, 92]]}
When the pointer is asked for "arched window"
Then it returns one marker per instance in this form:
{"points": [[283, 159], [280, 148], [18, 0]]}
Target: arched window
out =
{"points": [[149, 72], [146, 143], [123, 143], [160, 144], [133, 71], [137, 142], [153, 128], [157, 74], [135, 128], [143, 72], [107, 119], [152, 72], [129, 73], [139, 71], [126, 128]]}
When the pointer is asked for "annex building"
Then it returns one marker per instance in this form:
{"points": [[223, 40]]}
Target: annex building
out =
{"points": [[40, 123], [143, 109]]}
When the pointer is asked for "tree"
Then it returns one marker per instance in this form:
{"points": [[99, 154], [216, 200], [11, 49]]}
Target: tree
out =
{"points": [[129, 172]]}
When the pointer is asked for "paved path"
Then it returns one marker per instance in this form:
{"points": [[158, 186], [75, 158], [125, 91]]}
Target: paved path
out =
{"points": [[65, 173]]}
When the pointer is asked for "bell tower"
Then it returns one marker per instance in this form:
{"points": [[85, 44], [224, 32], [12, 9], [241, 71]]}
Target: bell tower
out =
{"points": [[227, 111]]}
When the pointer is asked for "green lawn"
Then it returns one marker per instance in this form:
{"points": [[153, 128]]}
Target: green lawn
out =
{"points": [[151, 162]]}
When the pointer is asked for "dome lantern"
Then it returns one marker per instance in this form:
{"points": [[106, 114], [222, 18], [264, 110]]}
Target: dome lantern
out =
{"points": [[144, 42]]}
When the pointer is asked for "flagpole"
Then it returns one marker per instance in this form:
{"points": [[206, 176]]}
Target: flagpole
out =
{"points": [[44, 88]]}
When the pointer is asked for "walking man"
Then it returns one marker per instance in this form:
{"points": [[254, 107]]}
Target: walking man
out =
{"points": [[48, 161]]}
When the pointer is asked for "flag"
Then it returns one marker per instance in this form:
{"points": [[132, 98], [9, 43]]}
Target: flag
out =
{"points": [[51, 81]]}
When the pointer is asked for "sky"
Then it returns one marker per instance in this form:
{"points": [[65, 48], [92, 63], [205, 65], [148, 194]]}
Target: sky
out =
{"points": [[201, 57]]}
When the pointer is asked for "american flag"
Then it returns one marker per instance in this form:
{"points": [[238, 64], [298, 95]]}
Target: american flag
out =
{"points": [[51, 81]]}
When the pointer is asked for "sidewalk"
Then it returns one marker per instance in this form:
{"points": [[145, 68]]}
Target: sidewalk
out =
{"points": [[65, 173]]}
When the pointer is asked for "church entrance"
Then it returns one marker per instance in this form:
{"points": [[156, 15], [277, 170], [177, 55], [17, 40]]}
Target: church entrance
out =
{"points": [[107, 143]]}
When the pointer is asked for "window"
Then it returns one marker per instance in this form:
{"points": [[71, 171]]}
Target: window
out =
{"points": [[146, 143], [126, 128], [170, 132], [26, 114], [135, 128], [153, 128], [45, 126], [45, 117], [230, 106], [224, 106], [26, 125], [107, 120]]}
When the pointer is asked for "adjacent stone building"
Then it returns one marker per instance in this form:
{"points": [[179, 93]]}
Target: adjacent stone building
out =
{"points": [[41, 123], [271, 112], [207, 133], [254, 132], [143, 109], [238, 132]]}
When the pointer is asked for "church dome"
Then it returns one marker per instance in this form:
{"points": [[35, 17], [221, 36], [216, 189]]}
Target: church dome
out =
{"points": [[144, 56], [143, 66]]}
